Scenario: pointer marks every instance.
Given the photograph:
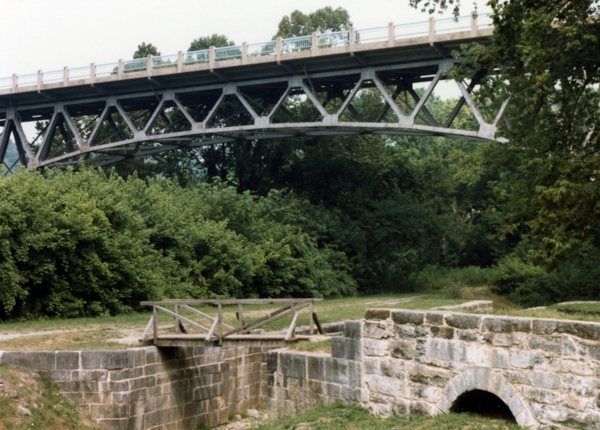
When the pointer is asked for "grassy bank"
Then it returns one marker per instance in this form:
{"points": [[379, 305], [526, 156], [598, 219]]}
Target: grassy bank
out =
{"points": [[29, 401], [123, 331], [340, 416]]}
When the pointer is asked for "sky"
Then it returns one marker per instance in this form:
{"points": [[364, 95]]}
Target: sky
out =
{"points": [[50, 34]]}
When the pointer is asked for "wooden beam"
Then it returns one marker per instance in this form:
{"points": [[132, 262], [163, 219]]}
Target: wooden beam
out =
{"points": [[318, 323], [173, 314], [227, 302], [155, 323], [211, 331], [202, 314], [148, 326], [266, 319], [292, 330]]}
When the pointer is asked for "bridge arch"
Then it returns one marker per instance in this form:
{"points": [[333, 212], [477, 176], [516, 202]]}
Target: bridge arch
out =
{"points": [[491, 381]]}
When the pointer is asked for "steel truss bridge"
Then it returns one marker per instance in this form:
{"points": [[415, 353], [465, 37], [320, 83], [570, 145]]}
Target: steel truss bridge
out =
{"points": [[307, 86]]}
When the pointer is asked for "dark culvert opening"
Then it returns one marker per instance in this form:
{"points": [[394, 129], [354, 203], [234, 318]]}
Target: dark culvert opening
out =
{"points": [[483, 403]]}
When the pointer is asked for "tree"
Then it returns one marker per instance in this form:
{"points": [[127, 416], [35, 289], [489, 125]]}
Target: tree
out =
{"points": [[322, 20], [543, 56], [216, 40], [144, 50], [431, 6]]}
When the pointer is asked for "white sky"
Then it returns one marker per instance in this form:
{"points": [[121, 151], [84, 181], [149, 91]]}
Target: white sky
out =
{"points": [[50, 34]]}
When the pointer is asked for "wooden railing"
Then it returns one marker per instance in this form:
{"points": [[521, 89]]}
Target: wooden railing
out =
{"points": [[218, 329]]}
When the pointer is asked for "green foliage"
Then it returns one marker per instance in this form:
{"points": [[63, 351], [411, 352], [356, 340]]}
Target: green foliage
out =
{"points": [[529, 284], [144, 50], [544, 57], [340, 415], [439, 277], [78, 244], [324, 20], [216, 40], [433, 6]]}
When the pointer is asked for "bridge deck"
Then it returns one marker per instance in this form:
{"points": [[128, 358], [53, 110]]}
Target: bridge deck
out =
{"points": [[101, 118], [194, 340], [280, 64]]}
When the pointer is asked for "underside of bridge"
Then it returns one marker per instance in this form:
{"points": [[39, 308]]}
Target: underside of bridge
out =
{"points": [[383, 91]]}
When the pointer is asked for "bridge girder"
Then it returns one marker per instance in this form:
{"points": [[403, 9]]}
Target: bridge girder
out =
{"points": [[150, 122]]}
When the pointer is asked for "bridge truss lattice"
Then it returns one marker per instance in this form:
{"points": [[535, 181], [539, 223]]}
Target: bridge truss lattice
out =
{"points": [[100, 127]]}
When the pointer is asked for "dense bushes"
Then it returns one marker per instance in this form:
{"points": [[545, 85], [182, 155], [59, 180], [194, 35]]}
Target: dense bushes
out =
{"points": [[529, 284], [87, 244]]}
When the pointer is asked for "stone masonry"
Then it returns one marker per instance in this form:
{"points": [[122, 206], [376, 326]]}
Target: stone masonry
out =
{"points": [[401, 361], [157, 389]]}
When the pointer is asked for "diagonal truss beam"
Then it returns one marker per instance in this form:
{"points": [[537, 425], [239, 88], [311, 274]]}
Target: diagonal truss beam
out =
{"points": [[136, 142]]}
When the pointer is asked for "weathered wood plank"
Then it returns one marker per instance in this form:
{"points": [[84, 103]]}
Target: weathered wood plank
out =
{"points": [[182, 318], [202, 314], [155, 323], [290, 333], [148, 326], [316, 318], [228, 302], [211, 331], [270, 318]]}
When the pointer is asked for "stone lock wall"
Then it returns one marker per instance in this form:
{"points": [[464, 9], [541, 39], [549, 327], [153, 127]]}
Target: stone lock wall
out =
{"points": [[153, 388], [400, 361]]}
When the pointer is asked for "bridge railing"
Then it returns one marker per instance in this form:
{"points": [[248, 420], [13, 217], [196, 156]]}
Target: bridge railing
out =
{"points": [[6, 82], [295, 44], [78, 73], [415, 29], [228, 53], [105, 69], [165, 61], [196, 57], [368, 35], [217, 329], [282, 46], [265, 48]]}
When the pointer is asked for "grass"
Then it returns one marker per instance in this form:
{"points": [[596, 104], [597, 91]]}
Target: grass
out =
{"points": [[109, 332], [104, 332], [347, 417], [37, 404], [318, 346], [580, 307]]}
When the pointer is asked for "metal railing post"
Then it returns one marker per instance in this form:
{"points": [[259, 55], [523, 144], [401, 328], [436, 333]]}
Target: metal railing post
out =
{"points": [[14, 81], [65, 75], [351, 37], [180, 62], [120, 69], [391, 33], [39, 79], [474, 24], [240, 315], [177, 328], [315, 41], [93, 72]]}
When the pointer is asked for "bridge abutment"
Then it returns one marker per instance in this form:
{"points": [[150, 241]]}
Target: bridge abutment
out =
{"points": [[152, 388], [547, 372]]}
